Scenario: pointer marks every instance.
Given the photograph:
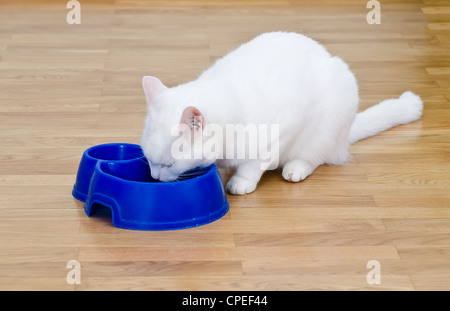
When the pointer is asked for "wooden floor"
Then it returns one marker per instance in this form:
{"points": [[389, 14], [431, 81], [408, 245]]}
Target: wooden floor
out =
{"points": [[64, 88]]}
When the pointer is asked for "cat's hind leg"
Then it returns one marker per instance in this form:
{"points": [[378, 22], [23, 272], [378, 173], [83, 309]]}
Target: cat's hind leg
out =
{"points": [[296, 170], [245, 178]]}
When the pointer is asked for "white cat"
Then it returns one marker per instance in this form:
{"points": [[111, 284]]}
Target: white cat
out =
{"points": [[280, 78]]}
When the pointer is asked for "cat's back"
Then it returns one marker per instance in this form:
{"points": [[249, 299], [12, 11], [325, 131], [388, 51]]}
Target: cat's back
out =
{"points": [[272, 49], [280, 41]]}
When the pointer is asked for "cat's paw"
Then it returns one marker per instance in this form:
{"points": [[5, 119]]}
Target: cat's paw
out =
{"points": [[239, 186], [297, 170]]}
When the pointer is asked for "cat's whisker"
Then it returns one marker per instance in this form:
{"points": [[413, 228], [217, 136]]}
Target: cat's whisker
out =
{"points": [[143, 160]]}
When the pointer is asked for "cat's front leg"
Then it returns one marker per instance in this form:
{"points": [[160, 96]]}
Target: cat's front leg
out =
{"points": [[245, 178], [297, 170]]}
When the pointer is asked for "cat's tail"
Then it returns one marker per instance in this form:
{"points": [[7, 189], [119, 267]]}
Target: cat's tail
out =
{"points": [[388, 113]]}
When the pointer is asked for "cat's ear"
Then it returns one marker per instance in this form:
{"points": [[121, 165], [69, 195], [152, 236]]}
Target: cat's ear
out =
{"points": [[152, 87], [193, 118]]}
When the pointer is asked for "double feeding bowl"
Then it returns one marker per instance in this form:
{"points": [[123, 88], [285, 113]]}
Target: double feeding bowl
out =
{"points": [[117, 176]]}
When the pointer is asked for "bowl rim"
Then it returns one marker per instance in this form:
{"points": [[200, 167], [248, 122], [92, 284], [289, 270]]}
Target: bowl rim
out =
{"points": [[88, 151], [208, 171]]}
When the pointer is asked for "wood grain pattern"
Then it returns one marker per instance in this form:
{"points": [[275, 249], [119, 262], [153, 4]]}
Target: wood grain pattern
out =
{"points": [[64, 88]]}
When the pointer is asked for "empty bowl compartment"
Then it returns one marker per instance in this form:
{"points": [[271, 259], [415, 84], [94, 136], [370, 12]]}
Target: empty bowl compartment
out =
{"points": [[92, 155]]}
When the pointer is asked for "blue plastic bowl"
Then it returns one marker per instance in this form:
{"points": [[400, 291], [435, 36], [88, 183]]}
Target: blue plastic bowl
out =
{"points": [[118, 176]]}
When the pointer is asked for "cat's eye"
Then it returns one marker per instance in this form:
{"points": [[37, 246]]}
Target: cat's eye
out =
{"points": [[168, 165]]}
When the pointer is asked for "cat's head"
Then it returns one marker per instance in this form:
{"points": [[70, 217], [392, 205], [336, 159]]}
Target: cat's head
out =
{"points": [[170, 130]]}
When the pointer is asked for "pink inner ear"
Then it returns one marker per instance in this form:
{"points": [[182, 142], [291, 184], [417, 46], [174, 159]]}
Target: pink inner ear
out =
{"points": [[152, 87], [193, 118]]}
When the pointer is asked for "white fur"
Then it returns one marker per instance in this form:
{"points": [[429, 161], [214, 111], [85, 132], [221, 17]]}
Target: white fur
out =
{"points": [[277, 78], [389, 113]]}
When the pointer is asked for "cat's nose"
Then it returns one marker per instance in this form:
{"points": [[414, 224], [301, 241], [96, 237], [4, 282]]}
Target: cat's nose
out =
{"points": [[155, 173]]}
